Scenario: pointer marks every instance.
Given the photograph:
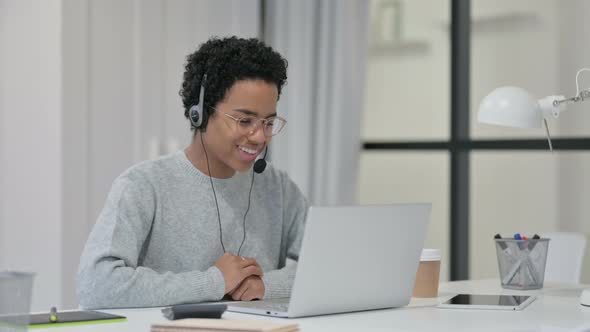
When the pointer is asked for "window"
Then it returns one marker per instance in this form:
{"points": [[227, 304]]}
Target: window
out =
{"points": [[421, 136]]}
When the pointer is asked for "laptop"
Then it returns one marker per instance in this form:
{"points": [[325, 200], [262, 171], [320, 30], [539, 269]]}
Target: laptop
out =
{"points": [[352, 258]]}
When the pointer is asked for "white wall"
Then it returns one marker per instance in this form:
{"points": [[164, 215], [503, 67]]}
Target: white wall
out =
{"points": [[137, 50], [75, 142], [31, 157], [88, 87], [2, 37], [135, 54], [574, 167]]}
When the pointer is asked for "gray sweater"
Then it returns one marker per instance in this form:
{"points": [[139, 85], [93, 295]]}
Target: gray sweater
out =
{"points": [[157, 238]]}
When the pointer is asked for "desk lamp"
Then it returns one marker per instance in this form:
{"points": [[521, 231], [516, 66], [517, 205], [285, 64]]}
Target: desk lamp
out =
{"points": [[514, 107]]}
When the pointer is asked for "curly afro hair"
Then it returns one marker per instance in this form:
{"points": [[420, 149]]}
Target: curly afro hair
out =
{"points": [[226, 61]]}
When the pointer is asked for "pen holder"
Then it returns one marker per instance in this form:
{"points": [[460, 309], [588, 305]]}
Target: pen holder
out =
{"points": [[522, 262], [15, 300]]}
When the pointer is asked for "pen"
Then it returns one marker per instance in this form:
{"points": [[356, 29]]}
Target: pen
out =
{"points": [[515, 262], [523, 262], [499, 237], [502, 245], [518, 238], [533, 243], [53, 315]]}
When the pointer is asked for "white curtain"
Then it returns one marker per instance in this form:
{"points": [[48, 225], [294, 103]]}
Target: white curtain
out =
{"points": [[325, 42]]}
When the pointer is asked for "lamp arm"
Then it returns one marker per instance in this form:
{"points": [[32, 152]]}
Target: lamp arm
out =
{"points": [[580, 97]]}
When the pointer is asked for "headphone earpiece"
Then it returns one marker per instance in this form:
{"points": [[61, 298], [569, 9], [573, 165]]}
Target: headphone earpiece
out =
{"points": [[195, 113]]}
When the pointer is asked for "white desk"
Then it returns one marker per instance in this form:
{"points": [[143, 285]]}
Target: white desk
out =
{"points": [[556, 309]]}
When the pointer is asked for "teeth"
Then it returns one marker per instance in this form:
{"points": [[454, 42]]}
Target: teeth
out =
{"points": [[249, 151]]}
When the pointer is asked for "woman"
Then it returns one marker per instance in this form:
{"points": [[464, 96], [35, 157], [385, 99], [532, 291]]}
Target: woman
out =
{"points": [[200, 224]]}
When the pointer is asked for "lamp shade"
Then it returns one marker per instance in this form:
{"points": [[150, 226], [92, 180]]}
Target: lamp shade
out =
{"points": [[510, 106]]}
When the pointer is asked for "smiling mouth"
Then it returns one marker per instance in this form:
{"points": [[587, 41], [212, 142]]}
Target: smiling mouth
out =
{"points": [[248, 151]]}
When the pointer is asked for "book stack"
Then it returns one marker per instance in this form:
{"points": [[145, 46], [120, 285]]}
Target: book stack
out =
{"points": [[223, 325]]}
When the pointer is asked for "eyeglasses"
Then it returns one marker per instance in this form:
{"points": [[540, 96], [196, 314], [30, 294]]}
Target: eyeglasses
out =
{"points": [[248, 125]]}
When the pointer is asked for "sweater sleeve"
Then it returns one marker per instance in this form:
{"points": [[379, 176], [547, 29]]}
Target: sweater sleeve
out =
{"points": [[278, 283], [109, 275]]}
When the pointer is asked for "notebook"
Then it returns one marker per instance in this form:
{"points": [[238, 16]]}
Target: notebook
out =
{"points": [[65, 318]]}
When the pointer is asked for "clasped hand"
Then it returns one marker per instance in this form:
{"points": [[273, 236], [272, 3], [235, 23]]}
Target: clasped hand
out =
{"points": [[242, 277]]}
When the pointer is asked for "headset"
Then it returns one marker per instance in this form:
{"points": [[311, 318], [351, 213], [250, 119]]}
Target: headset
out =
{"points": [[260, 164], [198, 119], [196, 115]]}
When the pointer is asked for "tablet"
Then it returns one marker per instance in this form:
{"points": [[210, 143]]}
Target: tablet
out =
{"points": [[64, 318], [493, 302]]}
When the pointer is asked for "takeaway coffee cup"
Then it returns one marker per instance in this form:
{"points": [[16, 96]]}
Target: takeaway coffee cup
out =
{"points": [[428, 273]]}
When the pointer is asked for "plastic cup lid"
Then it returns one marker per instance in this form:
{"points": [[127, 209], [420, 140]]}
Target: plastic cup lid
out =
{"points": [[430, 255]]}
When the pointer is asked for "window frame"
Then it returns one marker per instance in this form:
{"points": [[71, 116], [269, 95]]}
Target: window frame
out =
{"points": [[460, 145]]}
